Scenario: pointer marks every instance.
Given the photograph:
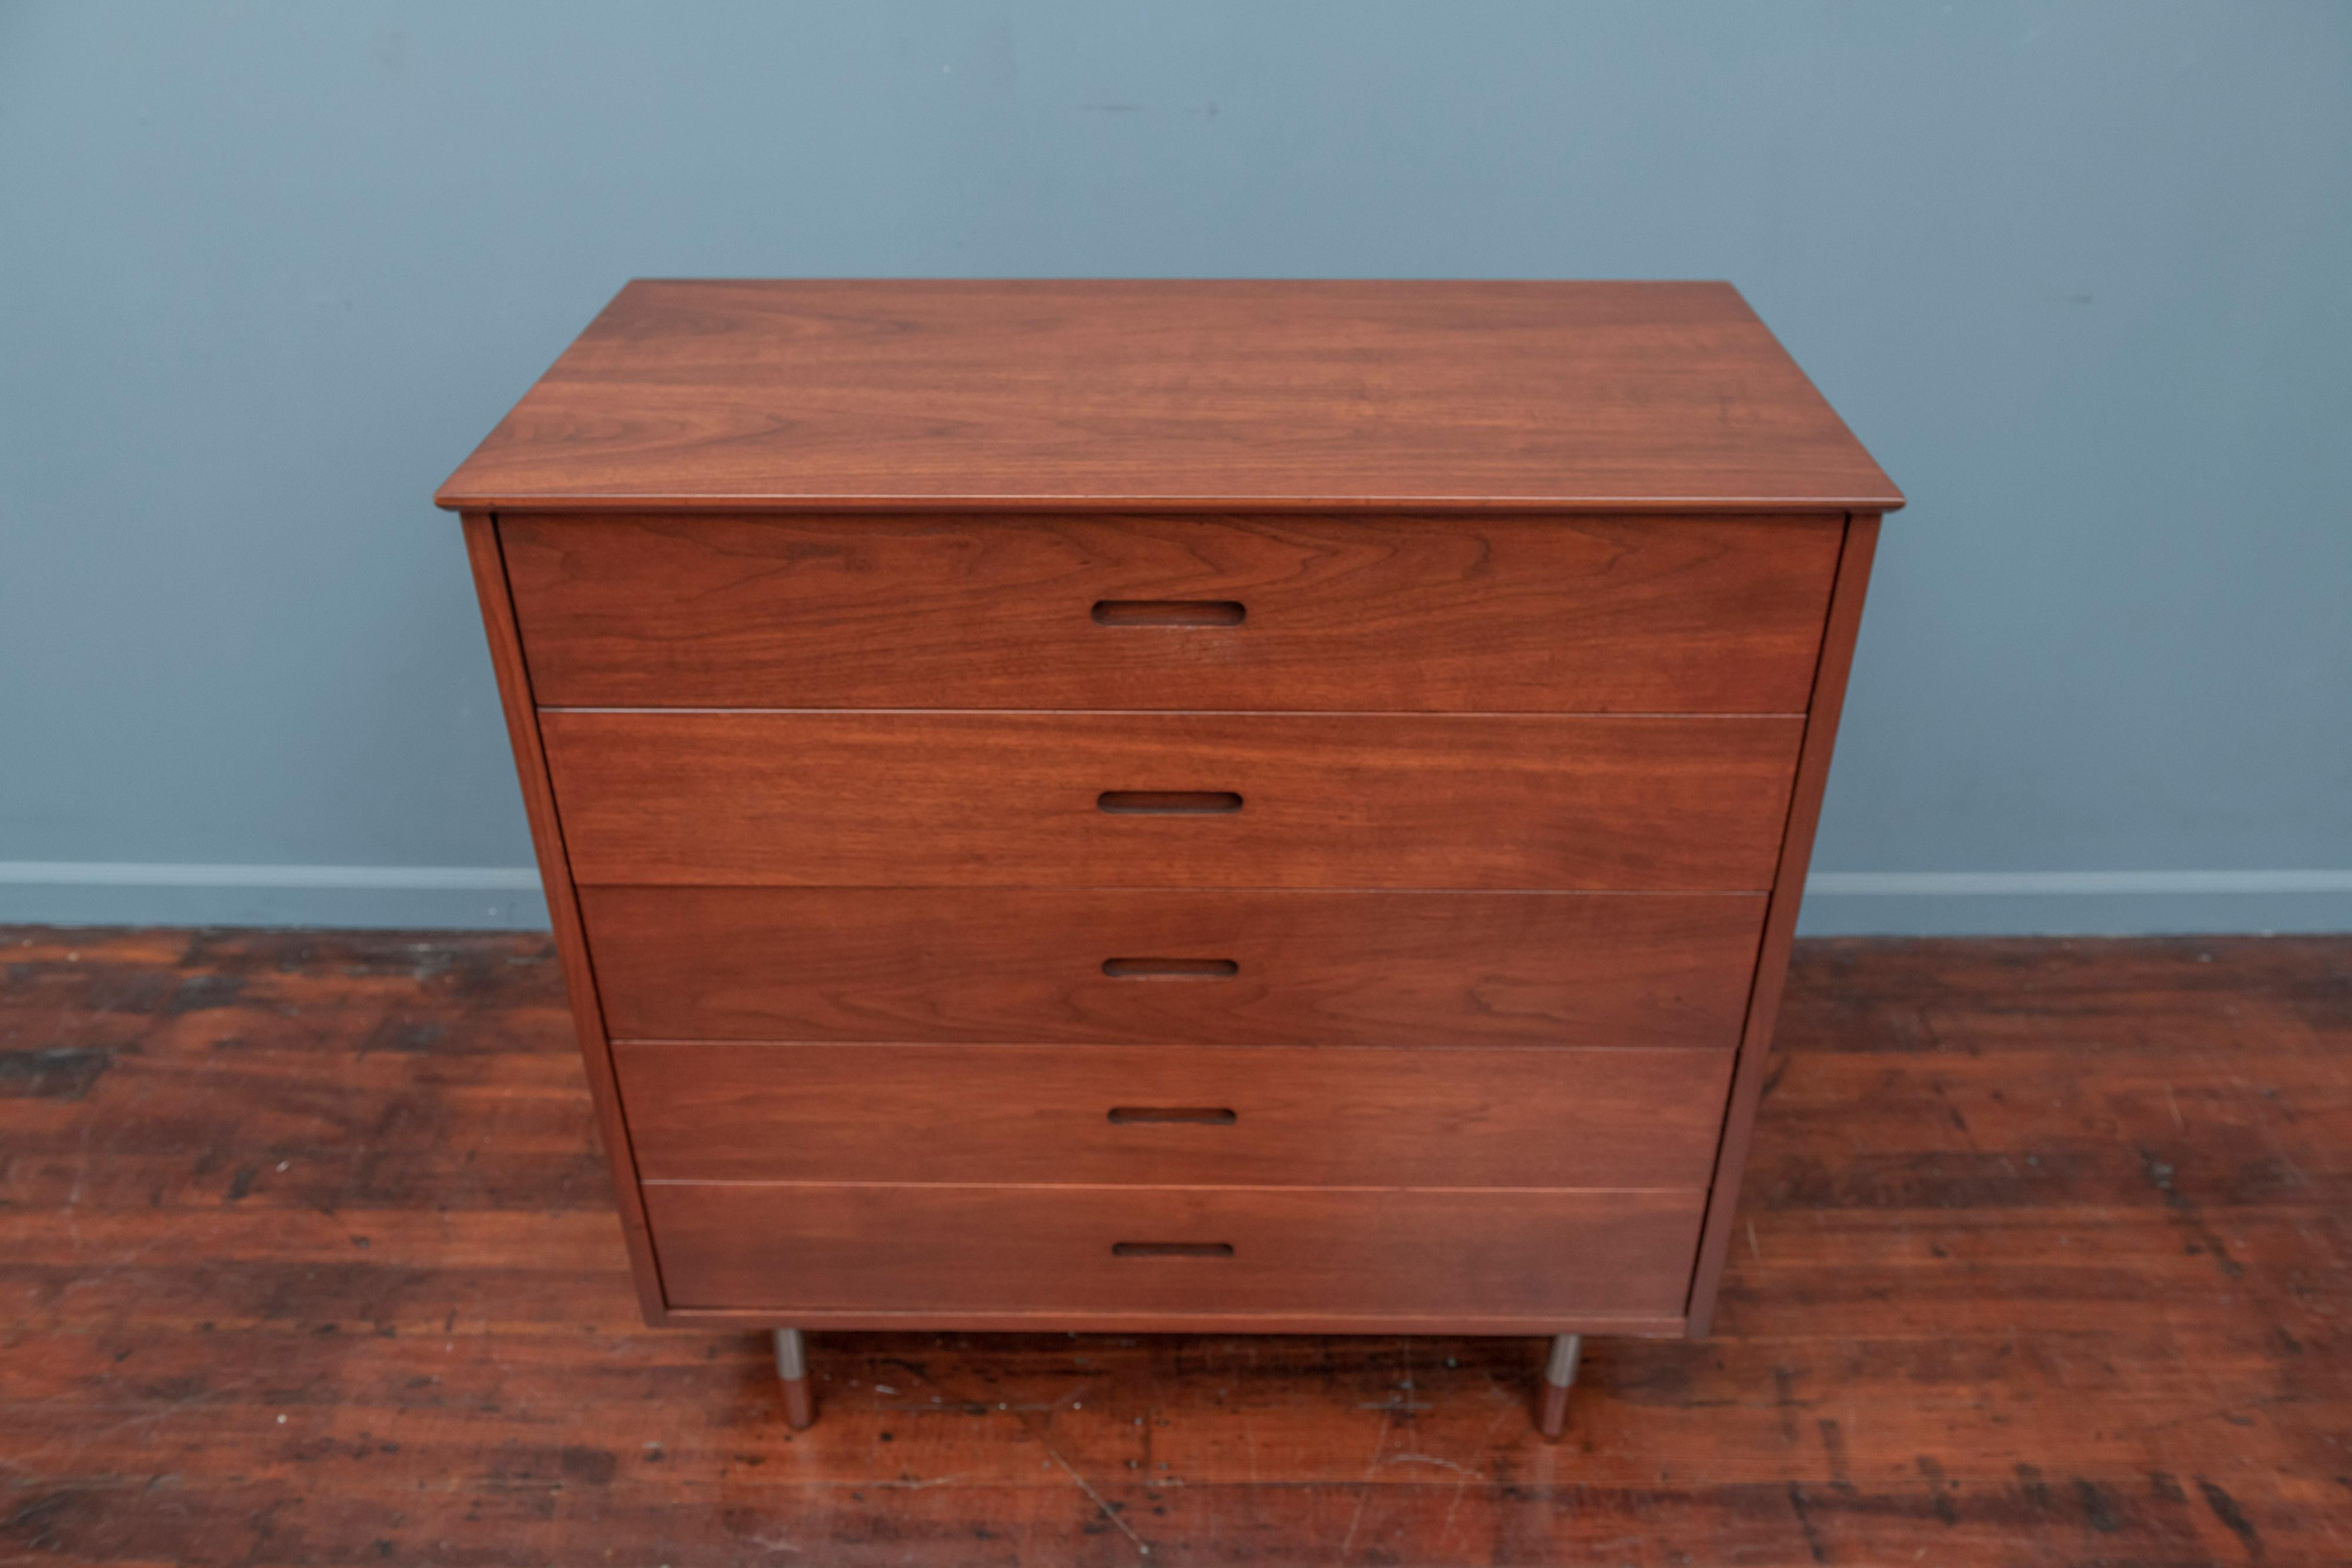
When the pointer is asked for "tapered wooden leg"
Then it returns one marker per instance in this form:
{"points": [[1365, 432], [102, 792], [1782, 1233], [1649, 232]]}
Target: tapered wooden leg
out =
{"points": [[1559, 1377], [792, 1367]]}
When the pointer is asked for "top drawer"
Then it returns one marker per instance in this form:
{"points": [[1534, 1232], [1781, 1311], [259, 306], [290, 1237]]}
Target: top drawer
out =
{"points": [[1374, 614]]}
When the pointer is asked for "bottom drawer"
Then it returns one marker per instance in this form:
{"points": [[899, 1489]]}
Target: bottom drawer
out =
{"points": [[1507, 1258]]}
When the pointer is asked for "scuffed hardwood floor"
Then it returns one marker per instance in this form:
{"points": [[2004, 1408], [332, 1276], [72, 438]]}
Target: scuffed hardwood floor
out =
{"points": [[307, 1258]]}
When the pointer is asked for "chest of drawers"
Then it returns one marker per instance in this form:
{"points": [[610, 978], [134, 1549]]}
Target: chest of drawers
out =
{"points": [[1173, 806]]}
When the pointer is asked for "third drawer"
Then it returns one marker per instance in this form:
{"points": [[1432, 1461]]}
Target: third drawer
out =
{"points": [[1205, 967], [1174, 1115]]}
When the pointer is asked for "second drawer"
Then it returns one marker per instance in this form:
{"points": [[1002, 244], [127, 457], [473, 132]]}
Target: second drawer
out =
{"points": [[1161, 800], [1173, 1115], [1164, 966]]}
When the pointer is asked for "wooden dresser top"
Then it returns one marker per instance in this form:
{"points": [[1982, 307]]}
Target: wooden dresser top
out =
{"points": [[1163, 395]]}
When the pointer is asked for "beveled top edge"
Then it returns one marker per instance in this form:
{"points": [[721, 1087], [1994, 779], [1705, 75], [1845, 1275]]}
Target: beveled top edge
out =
{"points": [[1138, 395]]}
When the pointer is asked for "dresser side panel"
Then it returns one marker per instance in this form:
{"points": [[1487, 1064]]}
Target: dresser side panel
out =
{"points": [[482, 548], [1780, 917]]}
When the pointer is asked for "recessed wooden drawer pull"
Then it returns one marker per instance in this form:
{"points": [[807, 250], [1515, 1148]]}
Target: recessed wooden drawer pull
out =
{"points": [[1198, 1115], [1169, 612], [1171, 969], [1168, 802], [1171, 1248]]}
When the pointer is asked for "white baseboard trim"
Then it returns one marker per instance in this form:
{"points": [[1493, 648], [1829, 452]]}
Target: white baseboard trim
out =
{"points": [[175, 874], [327, 897], [1837, 904], [518, 879], [2013, 884]]}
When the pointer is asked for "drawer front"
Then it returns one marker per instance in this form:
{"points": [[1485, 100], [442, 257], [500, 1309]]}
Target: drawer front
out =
{"points": [[1173, 1115], [1167, 967], [1171, 800], [1162, 1251], [1412, 614]]}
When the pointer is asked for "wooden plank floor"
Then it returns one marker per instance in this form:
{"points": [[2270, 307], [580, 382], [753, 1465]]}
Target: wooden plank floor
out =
{"points": [[306, 1258]]}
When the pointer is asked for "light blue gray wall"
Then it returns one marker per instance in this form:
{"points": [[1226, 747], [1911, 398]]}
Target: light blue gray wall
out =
{"points": [[2079, 273]]}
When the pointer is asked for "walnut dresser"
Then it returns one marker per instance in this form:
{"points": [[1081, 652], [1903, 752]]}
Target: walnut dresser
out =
{"points": [[1154, 806]]}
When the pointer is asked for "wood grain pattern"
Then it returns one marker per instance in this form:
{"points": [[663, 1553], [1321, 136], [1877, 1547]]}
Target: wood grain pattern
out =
{"points": [[1963, 1324], [900, 394], [1407, 614], [555, 876], [1308, 968], [1002, 799], [1492, 1259], [1514, 654], [1838, 637], [1174, 1115]]}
